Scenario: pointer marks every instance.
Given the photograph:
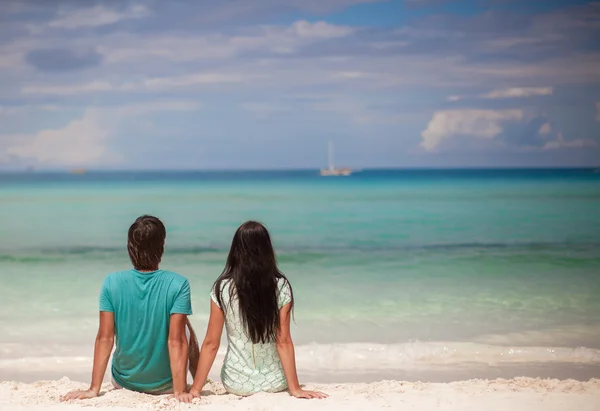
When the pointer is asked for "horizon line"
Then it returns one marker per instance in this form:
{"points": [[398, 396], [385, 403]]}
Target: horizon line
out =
{"points": [[76, 170]]}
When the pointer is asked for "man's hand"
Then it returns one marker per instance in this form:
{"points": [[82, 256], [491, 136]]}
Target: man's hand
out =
{"points": [[184, 397], [80, 395]]}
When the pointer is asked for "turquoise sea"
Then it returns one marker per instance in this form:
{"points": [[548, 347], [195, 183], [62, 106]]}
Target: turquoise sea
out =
{"points": [[393, 270]]}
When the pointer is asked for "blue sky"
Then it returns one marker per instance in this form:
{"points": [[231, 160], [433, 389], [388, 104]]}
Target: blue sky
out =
{"points": [[267, 83]]}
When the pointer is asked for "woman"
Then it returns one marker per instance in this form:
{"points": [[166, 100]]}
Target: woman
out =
{"points": [[254, 299]]}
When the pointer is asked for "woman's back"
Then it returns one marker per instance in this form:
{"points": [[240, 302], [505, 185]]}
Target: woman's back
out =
{"points": [[254, 301], [249, 368]]}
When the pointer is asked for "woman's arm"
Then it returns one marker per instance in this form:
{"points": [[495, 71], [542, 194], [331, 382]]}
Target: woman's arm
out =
{"points": [[102, 350], [209, 349], [285, 348]]}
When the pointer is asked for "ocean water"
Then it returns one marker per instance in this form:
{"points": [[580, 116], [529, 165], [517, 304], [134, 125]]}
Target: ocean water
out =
{"points": [[394, 272]]}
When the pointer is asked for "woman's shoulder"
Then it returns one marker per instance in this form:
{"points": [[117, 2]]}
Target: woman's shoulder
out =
{"points": [[222, 285], [284, 291], [283, 283], [222, 288]]}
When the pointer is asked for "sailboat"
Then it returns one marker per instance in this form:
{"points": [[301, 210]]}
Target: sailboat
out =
{"points": [[332, 171]]}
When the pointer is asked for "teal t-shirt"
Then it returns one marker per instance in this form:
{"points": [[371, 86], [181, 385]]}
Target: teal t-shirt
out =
{"points": [[143, 304]]}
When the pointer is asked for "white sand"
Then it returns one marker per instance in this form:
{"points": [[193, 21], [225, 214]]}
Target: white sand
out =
{"points": [[521, 394]]}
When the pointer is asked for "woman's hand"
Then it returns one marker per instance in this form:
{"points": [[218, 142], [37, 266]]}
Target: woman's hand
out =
{"points": [[300, 393], [80, 395], [195, 393], [183, 397]]}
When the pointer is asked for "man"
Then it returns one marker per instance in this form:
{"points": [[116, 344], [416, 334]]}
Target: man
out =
{"points": [[146, 309]]}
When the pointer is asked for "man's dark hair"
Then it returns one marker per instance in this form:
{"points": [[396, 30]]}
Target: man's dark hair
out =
{"points": [[146, 243]]}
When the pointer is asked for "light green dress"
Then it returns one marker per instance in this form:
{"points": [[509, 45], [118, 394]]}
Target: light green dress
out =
{"points": [[249, 368]]}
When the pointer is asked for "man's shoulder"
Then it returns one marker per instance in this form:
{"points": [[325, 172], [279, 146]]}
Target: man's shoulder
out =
{"points": [[174, 277], [117, 275]]}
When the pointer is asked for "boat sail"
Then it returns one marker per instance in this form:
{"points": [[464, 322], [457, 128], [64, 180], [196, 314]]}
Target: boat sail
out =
{"points": [[331, 170]]}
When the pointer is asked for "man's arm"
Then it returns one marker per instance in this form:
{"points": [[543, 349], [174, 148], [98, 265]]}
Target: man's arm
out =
{"points": [[210, 346], [178, 352], [104, 344], [178, 342]]}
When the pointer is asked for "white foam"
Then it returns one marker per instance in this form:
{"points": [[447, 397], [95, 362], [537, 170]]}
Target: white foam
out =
{"points": [[355, 357]]}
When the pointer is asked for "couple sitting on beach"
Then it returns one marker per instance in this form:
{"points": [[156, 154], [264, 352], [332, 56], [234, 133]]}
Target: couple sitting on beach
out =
{"points": [[146, 310]]}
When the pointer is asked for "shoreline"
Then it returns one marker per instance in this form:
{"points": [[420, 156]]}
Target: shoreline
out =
{"points": [[476, 394], [437, 374], [437, 362]]}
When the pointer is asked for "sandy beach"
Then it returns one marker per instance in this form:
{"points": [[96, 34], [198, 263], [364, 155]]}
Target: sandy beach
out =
{"points": [[520, 394]]}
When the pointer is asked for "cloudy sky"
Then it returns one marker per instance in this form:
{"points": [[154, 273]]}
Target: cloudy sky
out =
{"points": [[204, 84]]}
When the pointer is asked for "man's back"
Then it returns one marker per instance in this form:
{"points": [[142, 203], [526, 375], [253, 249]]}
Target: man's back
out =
{"points": [[142, 303]]}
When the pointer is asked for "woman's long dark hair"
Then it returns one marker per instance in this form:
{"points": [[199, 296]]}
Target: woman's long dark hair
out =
{"points": [[252, 270]]}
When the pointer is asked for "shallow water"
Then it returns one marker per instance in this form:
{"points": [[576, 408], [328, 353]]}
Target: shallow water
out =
{"points": [[467, 258]]}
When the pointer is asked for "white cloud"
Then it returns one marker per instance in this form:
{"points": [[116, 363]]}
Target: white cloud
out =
{"points": [[129, 48], [560, 142], [285, 40], [123, 47], [161, 105], [319, 30], [192, 79], [145, 85], [96, 16], [351, 74], [11, 110], [545, 129], [519, 92], [82, 142], [483, 124], [70, 89], [511, 92], [555, 70], [488, 124]]}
